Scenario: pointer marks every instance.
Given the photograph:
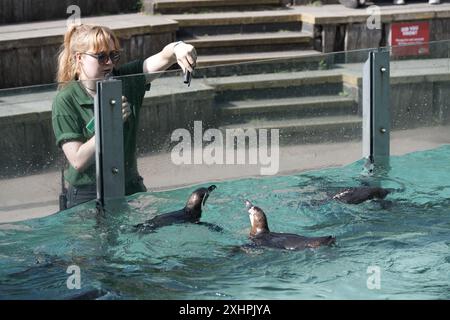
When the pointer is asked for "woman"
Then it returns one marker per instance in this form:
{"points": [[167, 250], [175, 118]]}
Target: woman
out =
{"points": [[88, 54]]}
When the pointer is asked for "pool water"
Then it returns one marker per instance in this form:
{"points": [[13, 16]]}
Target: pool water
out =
{"points": [[405, 239]]}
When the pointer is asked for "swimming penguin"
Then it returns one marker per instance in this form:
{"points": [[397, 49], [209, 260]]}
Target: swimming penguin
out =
{"points": [[360, 194], [316, 186], [262, 236], [192, 213]]}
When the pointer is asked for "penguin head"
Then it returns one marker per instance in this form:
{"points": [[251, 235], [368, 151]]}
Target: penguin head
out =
{"points": [[258, 219], [198, 198]]}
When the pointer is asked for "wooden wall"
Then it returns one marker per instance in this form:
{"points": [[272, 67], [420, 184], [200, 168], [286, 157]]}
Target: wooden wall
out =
{"points": [[35, 64], [21, 11]]}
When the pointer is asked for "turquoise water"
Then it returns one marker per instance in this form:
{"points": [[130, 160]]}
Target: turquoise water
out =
{"points": [[406, 237]]}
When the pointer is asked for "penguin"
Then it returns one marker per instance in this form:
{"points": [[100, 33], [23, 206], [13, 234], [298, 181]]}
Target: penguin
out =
{"points": [[358, 195], [191, 213], [261, 235]]}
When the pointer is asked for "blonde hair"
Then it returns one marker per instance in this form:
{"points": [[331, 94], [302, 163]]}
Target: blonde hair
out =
{"points": [[81, 38]]}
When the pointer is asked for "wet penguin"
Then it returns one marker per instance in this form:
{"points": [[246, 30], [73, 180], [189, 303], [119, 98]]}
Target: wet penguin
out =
{"points": [[191, 213], [358, 195], [316, 186], [262, 236]]}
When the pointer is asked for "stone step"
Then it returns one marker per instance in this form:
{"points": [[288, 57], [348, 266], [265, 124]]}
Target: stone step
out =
{"points": [[307, 130], [288, 107], [251, 42], [261, 63], [224, 59], [51, 32], [238, 28], [192, 6], [235, 17], [281, 79], [278, 85], [226, 38]]}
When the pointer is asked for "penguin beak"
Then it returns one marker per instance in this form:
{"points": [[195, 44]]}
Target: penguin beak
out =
{"points": [[248, 204]]}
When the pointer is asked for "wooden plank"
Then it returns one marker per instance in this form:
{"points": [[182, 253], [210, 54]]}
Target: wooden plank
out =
{"points": [[18, 10], [28, 9], [328, 38], [48, 64], [136, 44], [439, 29], [2, 68], [2, 12], [147, 46], [57, 11], [109, 6], [11, 68], [28, 61], [358, 36], [22, 11], [8, 13], [90, 8], [159, 41], [154, 43], [125, 44]]}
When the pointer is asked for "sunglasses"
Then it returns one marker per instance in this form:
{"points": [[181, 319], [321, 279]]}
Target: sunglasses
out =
{"points": [[103, 57]]}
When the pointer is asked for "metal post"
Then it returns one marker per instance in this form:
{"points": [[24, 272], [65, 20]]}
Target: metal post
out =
{"points": [[376, 111], [109, 152]]}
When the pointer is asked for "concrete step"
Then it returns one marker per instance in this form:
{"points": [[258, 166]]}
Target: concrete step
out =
{"points": [[308, 130], [278, 85], [251, 42], [223, 59], [225, 65], [193, 6], [51, 32], [288, 107], [234, 37], [236, 22]]}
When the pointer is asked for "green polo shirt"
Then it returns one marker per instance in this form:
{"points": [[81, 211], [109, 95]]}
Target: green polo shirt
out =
{"points": [[73, 108]]}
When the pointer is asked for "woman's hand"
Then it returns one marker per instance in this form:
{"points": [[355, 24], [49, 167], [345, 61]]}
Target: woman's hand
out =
{"points": [[126, 109], [182, 53], [186, 56]]}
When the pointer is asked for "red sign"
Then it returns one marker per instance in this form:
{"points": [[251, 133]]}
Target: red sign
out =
{"points": [[410, 38]]}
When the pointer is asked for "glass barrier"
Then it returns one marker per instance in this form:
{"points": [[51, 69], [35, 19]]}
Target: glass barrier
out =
{"points": [[267, 120], [252, 119], [30, 160], [420, 93]]}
